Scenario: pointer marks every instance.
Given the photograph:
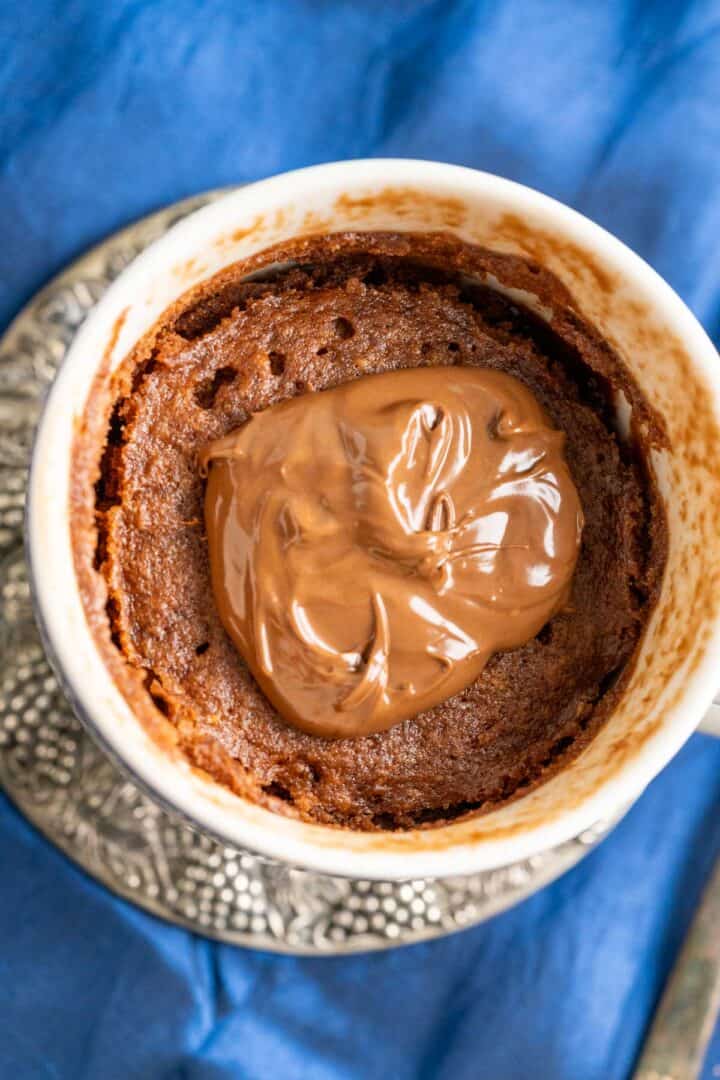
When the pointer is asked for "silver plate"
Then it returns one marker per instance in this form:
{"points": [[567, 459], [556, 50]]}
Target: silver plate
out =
{"points": [[70, 790]]}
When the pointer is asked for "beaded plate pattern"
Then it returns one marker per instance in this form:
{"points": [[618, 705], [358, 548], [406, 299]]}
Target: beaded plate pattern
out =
{"points": [[85, 804]]}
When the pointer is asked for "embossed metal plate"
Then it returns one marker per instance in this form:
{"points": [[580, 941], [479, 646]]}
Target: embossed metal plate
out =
{"points": [[69, 789]]}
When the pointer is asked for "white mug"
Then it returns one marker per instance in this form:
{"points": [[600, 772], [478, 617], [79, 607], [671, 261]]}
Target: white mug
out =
{"points": [[678, 667]]}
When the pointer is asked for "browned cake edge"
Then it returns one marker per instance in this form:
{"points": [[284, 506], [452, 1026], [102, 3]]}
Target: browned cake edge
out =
{"points": [[438, 250]]}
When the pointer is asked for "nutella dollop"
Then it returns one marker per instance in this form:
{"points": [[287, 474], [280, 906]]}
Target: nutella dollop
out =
{"points": [[373, 545]]}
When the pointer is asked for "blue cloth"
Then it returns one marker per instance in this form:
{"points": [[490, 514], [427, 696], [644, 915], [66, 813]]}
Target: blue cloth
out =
{"points": [[108, 110]]}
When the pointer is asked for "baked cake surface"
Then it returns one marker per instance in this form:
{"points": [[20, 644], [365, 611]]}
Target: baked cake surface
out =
{"points": [[323, 311]]}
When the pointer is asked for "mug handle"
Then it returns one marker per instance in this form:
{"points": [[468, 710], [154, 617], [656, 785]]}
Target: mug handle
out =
{"points": [[710, 724]]}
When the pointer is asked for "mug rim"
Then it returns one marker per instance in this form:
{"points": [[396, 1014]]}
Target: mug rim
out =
{"points": [[272, 839]]}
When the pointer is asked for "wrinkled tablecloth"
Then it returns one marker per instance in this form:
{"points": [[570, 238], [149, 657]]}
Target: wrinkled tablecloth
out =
{"points": [[109, 110]]}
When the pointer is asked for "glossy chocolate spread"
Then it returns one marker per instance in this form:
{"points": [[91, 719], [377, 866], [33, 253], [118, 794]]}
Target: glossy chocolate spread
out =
{"points": [[374, 545]]}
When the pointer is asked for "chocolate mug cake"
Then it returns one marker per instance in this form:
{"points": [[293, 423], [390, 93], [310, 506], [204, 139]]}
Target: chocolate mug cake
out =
{"points": [[360, 538]]}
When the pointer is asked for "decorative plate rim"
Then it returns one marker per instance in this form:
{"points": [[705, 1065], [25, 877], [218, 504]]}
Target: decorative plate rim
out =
{"points": [[86, 805]]}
